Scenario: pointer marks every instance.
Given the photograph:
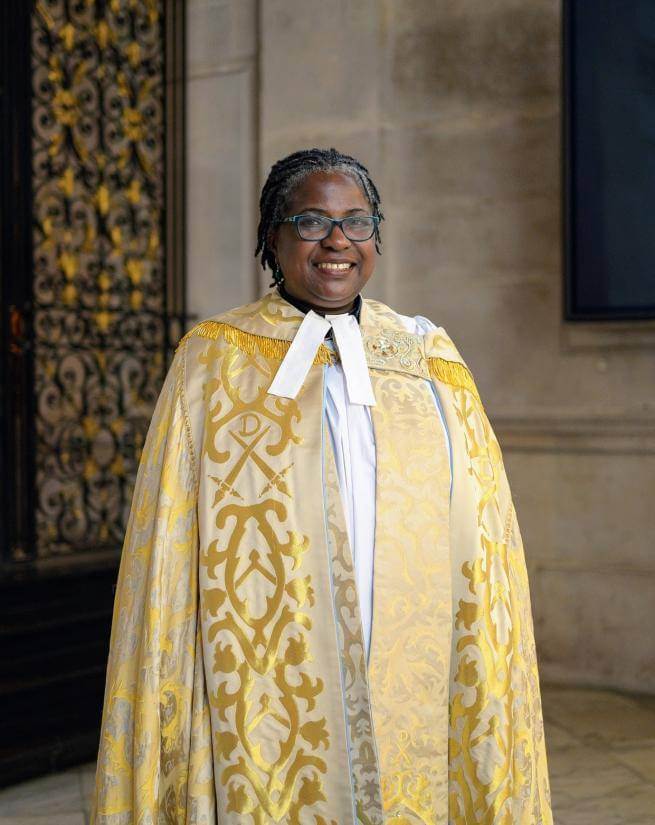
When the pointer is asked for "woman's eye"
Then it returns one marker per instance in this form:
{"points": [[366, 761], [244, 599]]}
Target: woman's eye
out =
{"points": [[308, 221]]}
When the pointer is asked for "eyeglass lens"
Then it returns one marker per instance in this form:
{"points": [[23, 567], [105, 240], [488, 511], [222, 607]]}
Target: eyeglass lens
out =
{"points": [[316, 227]]}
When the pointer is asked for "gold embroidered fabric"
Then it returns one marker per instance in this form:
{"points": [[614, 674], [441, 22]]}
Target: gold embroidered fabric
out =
{"points": [[237, 688], [155, 759], [265, 600], [273, 348], [390, 349], [411, 635], [454, 373], [386, 348], [498, 770]]}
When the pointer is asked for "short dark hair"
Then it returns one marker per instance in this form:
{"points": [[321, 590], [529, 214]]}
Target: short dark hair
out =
{"points": [[287, 173]]}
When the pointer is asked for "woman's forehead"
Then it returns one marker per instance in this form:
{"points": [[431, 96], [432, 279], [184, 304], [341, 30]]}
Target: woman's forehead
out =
{"points": [[328, 191]]}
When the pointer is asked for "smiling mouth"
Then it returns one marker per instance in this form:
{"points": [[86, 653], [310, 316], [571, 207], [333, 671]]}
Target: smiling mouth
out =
{"points": [[335, 268]]}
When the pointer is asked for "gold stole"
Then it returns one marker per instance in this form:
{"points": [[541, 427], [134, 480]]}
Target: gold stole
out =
{"points": [[411, 637]]}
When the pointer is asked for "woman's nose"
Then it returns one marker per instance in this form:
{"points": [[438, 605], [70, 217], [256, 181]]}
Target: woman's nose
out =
{"points": [[336, 239]]}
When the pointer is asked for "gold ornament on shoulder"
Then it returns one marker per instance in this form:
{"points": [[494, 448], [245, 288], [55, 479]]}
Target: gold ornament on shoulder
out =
{"points": [[396, 351], [383, 346]]}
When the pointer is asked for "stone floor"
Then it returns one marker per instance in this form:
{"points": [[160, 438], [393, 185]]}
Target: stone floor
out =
{"points": [[601, 749], [601, 755]]}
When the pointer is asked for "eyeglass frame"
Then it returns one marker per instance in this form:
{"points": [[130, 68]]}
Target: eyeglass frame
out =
{"points": [[333, 222]]}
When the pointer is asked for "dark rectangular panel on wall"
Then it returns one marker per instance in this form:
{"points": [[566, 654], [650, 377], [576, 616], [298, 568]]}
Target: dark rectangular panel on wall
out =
{"points": [[16, 397], [609, 108], [54, 633]]}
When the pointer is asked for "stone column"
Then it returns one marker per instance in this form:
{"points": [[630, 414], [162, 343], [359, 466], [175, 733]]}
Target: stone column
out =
{"points": [[222, 157]]}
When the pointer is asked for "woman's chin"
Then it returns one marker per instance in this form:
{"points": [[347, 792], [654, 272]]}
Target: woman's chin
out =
{"points": [[325, 291], [334, 301], [335, 291]]}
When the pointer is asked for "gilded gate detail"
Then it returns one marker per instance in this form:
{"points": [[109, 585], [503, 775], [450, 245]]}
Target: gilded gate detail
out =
{"points": [[99, 289]]}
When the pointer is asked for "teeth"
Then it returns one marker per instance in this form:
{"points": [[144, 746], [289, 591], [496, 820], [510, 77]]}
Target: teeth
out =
{"points": [[334, 267]]}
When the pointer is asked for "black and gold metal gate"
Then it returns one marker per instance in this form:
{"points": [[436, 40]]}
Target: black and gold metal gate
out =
{"points": [[92, 278]]}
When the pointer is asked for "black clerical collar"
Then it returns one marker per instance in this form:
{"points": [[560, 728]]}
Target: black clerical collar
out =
{"points": [[305, 307]]}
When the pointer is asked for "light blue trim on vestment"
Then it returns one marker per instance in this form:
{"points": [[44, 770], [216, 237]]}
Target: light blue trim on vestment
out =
{"points": [[447, 434]]}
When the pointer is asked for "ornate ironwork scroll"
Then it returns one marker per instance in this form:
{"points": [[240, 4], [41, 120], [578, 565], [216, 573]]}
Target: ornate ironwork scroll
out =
{"points": [[99, 291]]}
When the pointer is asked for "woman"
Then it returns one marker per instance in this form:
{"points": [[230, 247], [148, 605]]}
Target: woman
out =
{"points": [[322, 613]]}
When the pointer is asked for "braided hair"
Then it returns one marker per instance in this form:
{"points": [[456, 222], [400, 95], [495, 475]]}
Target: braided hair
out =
{"points": [[284, 177]]}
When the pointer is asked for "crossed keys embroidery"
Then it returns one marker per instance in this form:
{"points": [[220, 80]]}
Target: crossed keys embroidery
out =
{"points": [[245, 424], [248, 436]]}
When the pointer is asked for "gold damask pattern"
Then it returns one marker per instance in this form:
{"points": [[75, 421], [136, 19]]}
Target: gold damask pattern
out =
{"points": [[271, 316], [497, 763], [99, 287], [155, 758], [389, 350], [496, 705], [271, 737], [411, 637], [363, 748]]}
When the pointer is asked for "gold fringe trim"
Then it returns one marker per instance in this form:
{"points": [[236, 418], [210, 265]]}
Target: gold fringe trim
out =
{"points": [[181, 389], [252, 343], [453, 373]]}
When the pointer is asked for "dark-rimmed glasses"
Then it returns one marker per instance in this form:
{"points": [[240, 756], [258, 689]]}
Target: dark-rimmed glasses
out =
{"points": [[318, 227]]}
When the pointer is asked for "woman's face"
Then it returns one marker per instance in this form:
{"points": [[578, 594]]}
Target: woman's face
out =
{"points": [[310, 267]]}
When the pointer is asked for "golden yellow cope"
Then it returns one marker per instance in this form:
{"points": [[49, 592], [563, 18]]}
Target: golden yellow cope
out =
{"points": [[238, 688]]}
